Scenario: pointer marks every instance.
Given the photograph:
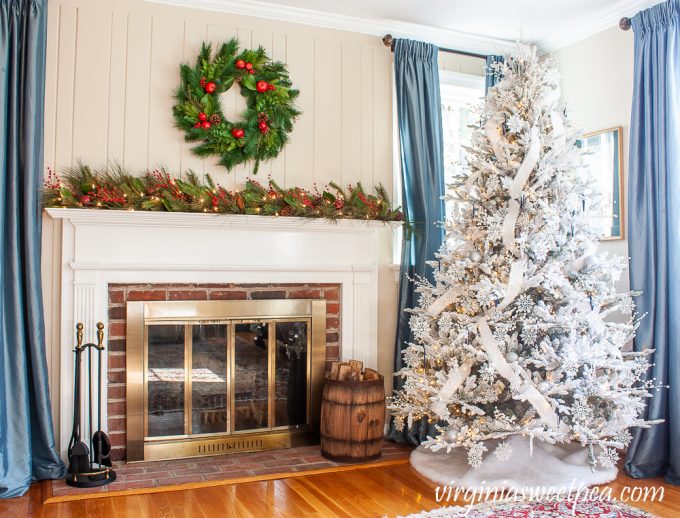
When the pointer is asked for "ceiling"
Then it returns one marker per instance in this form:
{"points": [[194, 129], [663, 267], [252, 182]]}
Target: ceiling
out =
{"points": [[484, 26]]}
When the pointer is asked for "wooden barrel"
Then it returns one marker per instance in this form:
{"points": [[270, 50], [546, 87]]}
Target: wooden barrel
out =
{"points": [[352, 419]]}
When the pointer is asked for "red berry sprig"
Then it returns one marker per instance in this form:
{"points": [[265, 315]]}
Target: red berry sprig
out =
{"points": [[263, 122], [202, 122], [52, 181]]}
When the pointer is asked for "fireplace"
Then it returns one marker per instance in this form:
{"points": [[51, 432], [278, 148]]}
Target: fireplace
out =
{"points": [[213, 377], [100, 260]]}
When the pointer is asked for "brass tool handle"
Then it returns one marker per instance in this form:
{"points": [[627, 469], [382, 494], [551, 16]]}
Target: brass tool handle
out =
{"points": [[100, 336], [79, 335]]}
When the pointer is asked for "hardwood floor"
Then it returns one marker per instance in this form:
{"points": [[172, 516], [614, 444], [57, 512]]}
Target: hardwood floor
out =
{"points": [[371, 492]]}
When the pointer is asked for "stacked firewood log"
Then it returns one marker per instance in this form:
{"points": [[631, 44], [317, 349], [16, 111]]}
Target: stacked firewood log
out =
{"points": [[352, 370]]}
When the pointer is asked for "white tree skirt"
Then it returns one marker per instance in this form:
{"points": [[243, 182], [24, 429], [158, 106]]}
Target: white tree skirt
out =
{"points": [[561, 467]]}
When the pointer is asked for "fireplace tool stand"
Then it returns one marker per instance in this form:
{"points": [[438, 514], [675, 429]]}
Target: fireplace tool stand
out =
{"points": [[88, 466]]}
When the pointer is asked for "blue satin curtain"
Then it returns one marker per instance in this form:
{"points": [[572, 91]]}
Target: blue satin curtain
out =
{"points": [[492, 76], [26, 437], [422, 171], [654, 230]]}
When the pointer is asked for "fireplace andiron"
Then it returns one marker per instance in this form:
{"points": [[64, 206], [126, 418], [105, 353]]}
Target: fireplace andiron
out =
{"points": [[88, 466]]}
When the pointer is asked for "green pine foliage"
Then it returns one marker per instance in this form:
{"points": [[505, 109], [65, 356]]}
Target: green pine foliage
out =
{"points": [[274, 106], [114, 188]]}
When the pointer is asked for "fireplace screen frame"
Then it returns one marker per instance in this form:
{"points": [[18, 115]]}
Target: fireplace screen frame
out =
{"points": [[188, 313]]}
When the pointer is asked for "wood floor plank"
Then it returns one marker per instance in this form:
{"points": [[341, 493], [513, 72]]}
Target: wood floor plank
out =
{"points": [[389, 490], [321, 495]]}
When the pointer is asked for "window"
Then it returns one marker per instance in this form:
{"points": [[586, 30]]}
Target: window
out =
{"points": [[461, 95]]}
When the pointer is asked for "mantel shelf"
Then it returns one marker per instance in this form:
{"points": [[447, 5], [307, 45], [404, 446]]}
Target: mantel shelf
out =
{"points": [[224, 221]]}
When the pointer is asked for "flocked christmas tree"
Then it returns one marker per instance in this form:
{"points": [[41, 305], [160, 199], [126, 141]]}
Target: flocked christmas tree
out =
{"points": [[516, 336]]}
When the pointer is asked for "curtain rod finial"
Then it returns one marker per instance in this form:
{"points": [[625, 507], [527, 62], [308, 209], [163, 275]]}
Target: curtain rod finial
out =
{"points": [[624, 23], [388, 40]]}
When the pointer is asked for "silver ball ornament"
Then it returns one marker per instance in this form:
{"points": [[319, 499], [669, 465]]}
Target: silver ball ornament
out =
{"points": [[475, 256], [591, 260], [451, 436], [511, 357]]}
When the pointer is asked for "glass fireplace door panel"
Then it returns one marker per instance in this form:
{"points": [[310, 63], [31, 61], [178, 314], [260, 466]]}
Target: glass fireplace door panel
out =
{"points": [[165, 379], [209, 378], [251, 376], [291, 374]]}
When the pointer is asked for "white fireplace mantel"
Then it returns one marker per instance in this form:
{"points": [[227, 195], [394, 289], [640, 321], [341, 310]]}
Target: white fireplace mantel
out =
{"points": [[97, 248]]}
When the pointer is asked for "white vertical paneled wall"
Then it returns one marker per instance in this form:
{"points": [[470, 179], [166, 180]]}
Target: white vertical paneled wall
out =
{"points": [[113, 67]]}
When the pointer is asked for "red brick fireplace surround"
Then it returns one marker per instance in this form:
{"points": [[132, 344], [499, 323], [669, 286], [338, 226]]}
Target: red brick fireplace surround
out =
{"points": [[120, 294]]}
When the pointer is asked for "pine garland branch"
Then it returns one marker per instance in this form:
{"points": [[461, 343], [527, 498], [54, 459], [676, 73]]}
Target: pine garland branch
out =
{"points": [[113, 187]]}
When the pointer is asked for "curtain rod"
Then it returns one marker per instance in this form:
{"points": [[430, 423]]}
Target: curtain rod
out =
{"points": [[389, 40]]}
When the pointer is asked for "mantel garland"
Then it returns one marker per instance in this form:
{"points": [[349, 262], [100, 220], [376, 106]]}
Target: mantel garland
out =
{"points": [[114, 188], [263, 130]]}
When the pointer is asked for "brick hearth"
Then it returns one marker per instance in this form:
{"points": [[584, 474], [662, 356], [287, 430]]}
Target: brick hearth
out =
{"points": [[151, 476], [120, 294]]}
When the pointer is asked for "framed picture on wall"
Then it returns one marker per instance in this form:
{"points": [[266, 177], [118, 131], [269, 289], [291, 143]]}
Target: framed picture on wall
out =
{"points": [[603, 157]]}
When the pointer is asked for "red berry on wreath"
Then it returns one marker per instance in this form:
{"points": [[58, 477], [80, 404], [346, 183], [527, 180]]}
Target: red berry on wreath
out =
{"points": [[202, 81], [85, 200], [238, 133], [261, 86], [271, 87], [202, 116], [240, 63], [339, 204], [210, 87], [249, 66], [197, 125], [251, 72], [206, 125], [263, 127]]}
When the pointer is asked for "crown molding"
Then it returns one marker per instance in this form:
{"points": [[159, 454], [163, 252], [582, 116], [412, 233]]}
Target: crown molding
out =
{"points": [[441, 37], [608, 19]]}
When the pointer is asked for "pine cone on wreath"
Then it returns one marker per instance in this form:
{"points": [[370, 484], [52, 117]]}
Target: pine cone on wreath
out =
{"points": [[215, 119], [286, 211]]}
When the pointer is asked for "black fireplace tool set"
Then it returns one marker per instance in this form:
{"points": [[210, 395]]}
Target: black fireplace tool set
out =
{"points": [[88, 466]]}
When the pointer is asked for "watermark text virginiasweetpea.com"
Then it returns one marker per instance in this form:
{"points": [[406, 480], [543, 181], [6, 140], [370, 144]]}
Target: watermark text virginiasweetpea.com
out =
{"points": [[574, 494]]}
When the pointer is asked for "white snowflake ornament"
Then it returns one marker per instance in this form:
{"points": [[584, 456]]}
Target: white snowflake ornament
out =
{"points": [[503, 451], [608, 457], [624, 437], [475, 454], [515, 124]]}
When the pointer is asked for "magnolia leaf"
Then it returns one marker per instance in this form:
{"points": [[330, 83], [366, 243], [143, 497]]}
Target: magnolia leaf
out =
{"points": [[249, 82], [227, 84]]}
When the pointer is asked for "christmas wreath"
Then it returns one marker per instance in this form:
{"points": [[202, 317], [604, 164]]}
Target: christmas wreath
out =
{"points": [[270, 111]]}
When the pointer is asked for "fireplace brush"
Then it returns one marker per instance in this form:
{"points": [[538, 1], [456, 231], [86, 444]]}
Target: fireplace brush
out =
{"points": [[88, 467]]}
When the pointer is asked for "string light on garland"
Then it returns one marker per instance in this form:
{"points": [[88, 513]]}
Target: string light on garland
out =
{"points": [[115, 188]]}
